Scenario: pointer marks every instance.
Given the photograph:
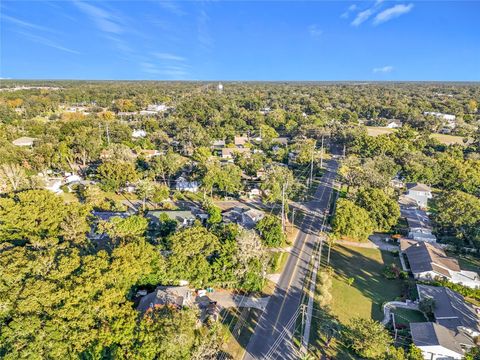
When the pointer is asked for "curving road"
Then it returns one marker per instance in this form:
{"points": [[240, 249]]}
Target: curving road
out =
{"points": [[273, 334]]}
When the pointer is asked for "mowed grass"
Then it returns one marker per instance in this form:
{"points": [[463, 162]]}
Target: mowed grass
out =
{"points": [[407, 316], [449, 139], [377, 130], [369, 290]]}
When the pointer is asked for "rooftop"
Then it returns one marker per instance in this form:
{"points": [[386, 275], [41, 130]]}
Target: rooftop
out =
{"points": [[433, 334]]}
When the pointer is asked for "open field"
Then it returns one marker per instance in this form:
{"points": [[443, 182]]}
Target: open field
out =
{"points": [[449, 139], [369, 289], [377, 130]]}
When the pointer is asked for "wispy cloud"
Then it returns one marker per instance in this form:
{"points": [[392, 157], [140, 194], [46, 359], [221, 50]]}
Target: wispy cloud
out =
{"points": [[168, 56], [102, 18], [204, 37], [172, 7], [47, 42], [362, 16], [392, 13], [172, 72], [24, 24], [349, 10], [383, 69], [314, 30]]}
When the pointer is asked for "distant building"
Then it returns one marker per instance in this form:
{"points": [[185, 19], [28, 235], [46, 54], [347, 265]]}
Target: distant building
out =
{"points": [[154, 109], [394, 124], [24, 141], [220, 87], [183, 218], [243, 216], [139, 134], [54, 185], [429, 262], [420, 193], [443, 116], [183, 185], [240, 141], [227, 153], [218, 144]]}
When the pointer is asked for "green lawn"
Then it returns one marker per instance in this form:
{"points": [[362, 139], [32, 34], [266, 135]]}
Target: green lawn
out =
{"points": [[369, 289], [406, 316]]}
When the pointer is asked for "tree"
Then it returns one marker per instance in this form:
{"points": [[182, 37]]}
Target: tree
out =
{"points": [[384, 211], [368, 338], [165, 166], [40, 218], [166, 333], [214, 214], [12, 177], [351, 221], [427, 306], [192, 252], [277, 178], [145, 190], [414, 353], [270, 228], [113, 174], [458, 213], [123, 230]]}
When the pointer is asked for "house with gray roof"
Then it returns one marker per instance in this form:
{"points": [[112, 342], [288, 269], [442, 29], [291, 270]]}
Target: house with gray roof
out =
{"points": [[438, 342], [429, 262], [420, 193], [451, 310], [177, 296], [182, 217]]}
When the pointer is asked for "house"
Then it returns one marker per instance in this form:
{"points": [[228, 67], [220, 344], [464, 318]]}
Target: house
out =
{"points": [[139, 134], [24, 141], [54, 185], [148, 153], [420, 193], [227, 153], [218, 144], [397, 183], [419, 227], [438, 342], [106, 216], [265, 111], [182, 217], [253, 193], [154, 109], [243, 216], [283, 141], [443, 116], [394, 124], [183, 185], [428, 261], [177, 296], [240, 141], [451, 310]]}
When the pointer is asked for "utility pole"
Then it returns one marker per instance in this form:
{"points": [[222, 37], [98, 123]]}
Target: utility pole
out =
{"points": [[321, 155], [311, 164], [344, 148], [293, 217], [108, 134], [283, 207]]}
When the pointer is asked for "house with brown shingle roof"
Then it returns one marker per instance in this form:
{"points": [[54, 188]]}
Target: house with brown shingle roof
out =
{"points": [[428, 261]]}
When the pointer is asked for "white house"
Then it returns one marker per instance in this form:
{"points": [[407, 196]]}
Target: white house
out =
{"points": [[24, 141], [420, 193], [428, 262], [443, 116], [394, 124], [438, 342], [138, 134], [54, 185], [154, 109], [184, 185]]}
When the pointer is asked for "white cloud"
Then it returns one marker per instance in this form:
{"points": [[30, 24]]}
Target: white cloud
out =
{"points": [[47, 42], [392, 13], [362, 17], [104, 20], [168, 56], [172, 7], [315, 31], [23, 23], [350, 9], [383, 69]]}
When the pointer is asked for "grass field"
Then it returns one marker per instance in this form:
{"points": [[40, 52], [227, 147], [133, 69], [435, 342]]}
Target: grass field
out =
{"points": [[449, 139], [376, 130], [369, 289]]}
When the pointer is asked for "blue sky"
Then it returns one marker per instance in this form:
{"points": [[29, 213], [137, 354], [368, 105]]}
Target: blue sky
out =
{"points": [[240, 40]]}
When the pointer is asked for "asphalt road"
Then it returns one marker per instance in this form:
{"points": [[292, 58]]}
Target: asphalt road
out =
{"points": [[273, 334]]}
